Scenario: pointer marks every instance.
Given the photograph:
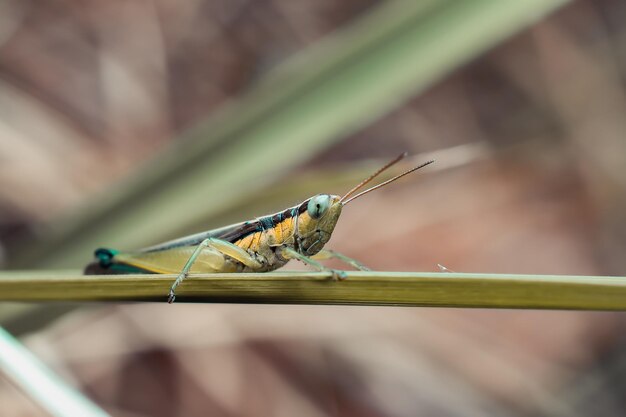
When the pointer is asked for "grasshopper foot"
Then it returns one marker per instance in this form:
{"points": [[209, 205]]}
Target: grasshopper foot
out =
{"points": [[172, 296], [338, 275]]}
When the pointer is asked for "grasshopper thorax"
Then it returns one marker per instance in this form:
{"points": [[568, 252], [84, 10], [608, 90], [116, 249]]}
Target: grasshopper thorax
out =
{"points": [[316, 222]]}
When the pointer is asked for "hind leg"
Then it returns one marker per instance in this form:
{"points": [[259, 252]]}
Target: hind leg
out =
{"points": [[221, 247]]}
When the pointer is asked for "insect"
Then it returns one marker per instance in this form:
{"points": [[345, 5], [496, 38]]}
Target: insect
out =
{"points": [[263, 244]]}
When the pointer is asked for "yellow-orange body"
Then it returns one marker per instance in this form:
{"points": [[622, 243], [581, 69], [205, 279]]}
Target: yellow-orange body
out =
{"points": [[300, 228]]}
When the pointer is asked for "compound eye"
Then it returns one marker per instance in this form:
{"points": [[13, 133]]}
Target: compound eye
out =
{"points": [[318, 205]]}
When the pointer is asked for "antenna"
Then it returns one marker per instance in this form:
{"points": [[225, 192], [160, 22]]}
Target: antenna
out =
{"points": [[374, 175], [382, 184]]}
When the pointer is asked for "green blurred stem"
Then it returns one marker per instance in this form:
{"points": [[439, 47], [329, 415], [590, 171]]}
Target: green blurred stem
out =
{"points": [[43, 385], [361, 288], [328, 91]]}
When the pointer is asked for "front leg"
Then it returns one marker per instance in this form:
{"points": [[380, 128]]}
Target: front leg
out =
{"points": [[330, 254], [289, 253]]}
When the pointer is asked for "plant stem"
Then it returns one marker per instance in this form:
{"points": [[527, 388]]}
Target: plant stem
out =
{"points": [[361, 288]]}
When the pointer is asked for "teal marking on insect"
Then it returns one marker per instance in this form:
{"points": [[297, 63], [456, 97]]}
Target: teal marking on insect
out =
{"points": [[259, 245]]}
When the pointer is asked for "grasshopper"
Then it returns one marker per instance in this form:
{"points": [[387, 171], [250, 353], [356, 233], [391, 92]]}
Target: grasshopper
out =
{"points": [[260, 245]]}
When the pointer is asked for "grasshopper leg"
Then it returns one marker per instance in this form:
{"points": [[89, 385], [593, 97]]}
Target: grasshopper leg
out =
{"points": [[220, 246], [293, 254], [330, 254]]}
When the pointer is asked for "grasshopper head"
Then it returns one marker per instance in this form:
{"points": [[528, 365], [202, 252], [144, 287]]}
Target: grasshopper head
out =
{"points": [[319, 214], [316, 222]]}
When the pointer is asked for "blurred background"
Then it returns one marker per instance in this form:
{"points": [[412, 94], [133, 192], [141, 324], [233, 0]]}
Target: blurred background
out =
{"points": [[125, 123]]}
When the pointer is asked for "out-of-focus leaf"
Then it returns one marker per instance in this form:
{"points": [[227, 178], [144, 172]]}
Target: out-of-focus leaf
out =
{"points": [[324, 93]]}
